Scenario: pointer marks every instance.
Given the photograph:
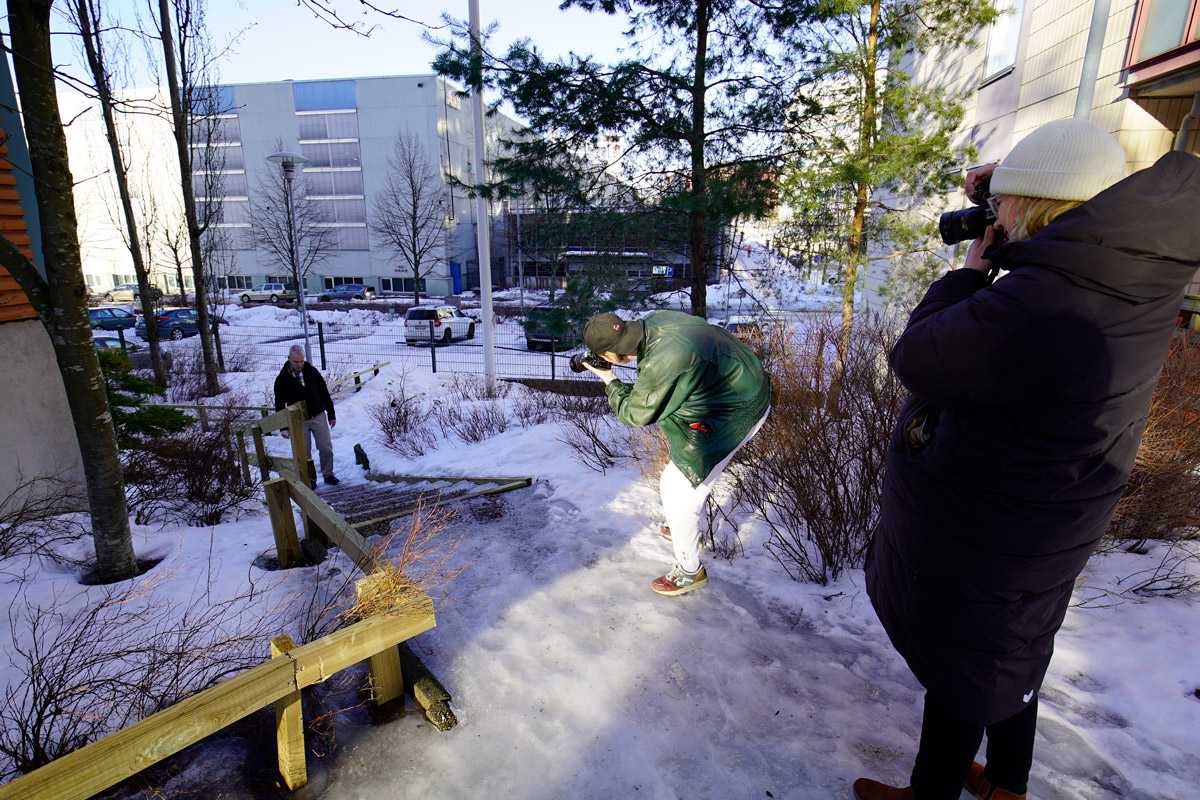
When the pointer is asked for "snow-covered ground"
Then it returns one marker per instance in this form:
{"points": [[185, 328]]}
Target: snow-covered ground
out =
{"points": [[571, 679]]}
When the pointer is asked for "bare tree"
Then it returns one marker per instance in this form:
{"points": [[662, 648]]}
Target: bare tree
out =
{"points": [[285, 221], [60, 298], [175, 238], [410, 212], [90, 22], [188, 58]]}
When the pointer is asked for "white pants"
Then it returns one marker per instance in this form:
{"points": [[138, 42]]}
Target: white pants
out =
{"points": [[683, 504], [317, 429]]}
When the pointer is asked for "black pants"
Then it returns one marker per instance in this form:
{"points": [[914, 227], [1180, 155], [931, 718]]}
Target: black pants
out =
{"points": [[948, 746]]}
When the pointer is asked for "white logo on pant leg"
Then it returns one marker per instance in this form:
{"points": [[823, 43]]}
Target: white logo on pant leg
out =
{"points": [[1026, 698]]}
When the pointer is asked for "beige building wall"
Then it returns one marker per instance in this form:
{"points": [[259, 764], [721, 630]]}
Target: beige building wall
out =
{"points": [[37, 432], [1043, 86]]}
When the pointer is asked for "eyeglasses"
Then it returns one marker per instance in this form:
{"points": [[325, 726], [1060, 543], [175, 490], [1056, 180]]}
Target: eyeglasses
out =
{"points": [[993, 203]]}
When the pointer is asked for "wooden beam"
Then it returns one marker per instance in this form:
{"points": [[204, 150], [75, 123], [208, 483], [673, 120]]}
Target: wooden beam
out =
{"points": [[289, 726], [320, 660], [297, 433], [334, 525], [260, 453], [101, 764], [271, 422], [283, 523], [387, 680]]}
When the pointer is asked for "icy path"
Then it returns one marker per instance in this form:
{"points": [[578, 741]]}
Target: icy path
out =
{"points": [[571, 679]]}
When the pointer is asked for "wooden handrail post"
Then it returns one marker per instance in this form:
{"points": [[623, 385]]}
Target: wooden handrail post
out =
{"points": [[299, 437], [203, 414], [387, 681], [243, 460], [283, 524], [289, 726], [260, 453]]}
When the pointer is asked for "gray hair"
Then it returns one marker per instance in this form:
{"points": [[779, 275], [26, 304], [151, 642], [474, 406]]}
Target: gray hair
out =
{"points": [[294, 350]]}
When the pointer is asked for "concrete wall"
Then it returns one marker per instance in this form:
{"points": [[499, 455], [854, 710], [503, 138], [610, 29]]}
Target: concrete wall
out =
{"points": [[36, 429]]}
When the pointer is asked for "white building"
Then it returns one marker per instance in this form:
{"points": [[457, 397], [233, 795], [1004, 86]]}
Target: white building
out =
{"points": [[346, 130]]}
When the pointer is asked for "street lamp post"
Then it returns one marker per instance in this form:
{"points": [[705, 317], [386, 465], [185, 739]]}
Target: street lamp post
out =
{"points": [[287, 163]]}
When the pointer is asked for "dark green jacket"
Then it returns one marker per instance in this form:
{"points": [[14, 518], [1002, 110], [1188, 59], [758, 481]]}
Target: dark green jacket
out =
{"points": [[693, 373]]}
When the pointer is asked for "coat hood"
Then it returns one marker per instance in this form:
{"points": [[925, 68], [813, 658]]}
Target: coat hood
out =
{"points": [[1138, 240]]}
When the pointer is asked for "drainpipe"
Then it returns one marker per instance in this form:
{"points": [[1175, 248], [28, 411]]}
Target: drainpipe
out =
{"points": [[1192, 116], [1091, 59]]}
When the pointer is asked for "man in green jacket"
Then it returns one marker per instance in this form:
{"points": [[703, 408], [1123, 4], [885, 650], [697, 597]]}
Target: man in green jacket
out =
{"points": [[708, 394]]}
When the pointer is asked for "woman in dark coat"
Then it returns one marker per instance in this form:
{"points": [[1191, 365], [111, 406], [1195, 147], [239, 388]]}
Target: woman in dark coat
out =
{"points": [[1029, 397]]}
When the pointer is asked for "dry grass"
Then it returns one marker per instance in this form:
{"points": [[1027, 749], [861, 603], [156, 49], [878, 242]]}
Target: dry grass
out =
{"points": [[1163, 498]]}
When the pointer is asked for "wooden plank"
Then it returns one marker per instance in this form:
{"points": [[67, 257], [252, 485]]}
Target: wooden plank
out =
{"points": [[318, 661], [428, 502], [297, 433], [270, 422], [333, 524], [283, 523], [99, 765], [243, 460], [289, 726], [260, 453], [387, 680]]}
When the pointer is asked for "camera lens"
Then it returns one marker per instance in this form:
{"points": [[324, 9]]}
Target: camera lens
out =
{"points": [[964, 224], [577, 363]]}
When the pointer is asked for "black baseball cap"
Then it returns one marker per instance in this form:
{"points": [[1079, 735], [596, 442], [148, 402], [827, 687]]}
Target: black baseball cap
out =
{"points": [[608, 333]]}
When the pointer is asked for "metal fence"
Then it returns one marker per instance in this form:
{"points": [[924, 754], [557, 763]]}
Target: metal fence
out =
{"points": [[343, 343]]}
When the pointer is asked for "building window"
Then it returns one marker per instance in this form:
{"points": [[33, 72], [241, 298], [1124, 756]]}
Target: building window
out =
{"points": [[339, 280], [323, 95], [1003, 38], [330, 154], [339, 210], [328, 126], [286, 280], [333, 184], [219, 184], [400, 285], [1164, 25], [234, 282]]}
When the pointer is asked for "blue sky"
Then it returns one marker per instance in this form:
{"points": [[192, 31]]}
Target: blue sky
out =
{"points": [[279, 39]]}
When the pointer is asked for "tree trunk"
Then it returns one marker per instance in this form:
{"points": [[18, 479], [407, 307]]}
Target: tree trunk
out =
{"points": [[417, 287], [92, 47], [697, 214], [180, 121], [858, 243], [66, 317]]}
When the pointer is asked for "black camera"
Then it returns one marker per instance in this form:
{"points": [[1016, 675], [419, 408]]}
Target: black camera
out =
{"points": [[578, 361], [968, 223]]}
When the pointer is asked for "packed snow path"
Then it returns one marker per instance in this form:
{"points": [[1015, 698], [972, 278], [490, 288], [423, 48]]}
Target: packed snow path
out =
{"points": [[571, 679]]}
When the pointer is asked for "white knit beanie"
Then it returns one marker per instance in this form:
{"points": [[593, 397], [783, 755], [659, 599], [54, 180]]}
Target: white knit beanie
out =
{"points": [[1067, 159]]}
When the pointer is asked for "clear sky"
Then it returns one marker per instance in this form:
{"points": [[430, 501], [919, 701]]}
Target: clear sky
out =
{"points": [[279, 39]]}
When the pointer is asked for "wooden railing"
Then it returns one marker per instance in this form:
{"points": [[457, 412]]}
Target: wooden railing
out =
{"points": [[278, 681]]}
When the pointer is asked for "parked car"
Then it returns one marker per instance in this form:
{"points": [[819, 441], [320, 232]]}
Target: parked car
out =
{"points": [[549, 326], [269, 292], [347, 291], [128, 293], [114, 343], [448, 324], [111, 319], [743, 326], [139, 356], [174, 323]]}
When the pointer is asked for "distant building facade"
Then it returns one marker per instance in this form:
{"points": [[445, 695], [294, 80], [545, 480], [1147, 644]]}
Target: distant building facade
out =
{"points": [[346, 131]]}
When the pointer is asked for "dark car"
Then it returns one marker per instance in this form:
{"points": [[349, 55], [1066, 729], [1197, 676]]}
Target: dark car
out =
{"points": [[347, 291], [548, 326], [139, 356], [111, 319], [174, 323]]}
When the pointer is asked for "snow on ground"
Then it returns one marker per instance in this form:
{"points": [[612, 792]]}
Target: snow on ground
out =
{"points": [[571, 678]]}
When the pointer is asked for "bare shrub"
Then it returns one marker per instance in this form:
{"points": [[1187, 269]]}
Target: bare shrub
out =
{"points": [[37, 518], [598, 440], [1163, 498], [193, 477], [403, 422], [473, 423], [649, 448], [185, 382], [77, 678], [241, 359], [532, 408], [472, 388], [814, 475]]}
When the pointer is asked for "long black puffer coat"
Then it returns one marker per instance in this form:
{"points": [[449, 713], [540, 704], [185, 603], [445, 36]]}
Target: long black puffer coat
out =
{"points": [[1029, 400]]}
